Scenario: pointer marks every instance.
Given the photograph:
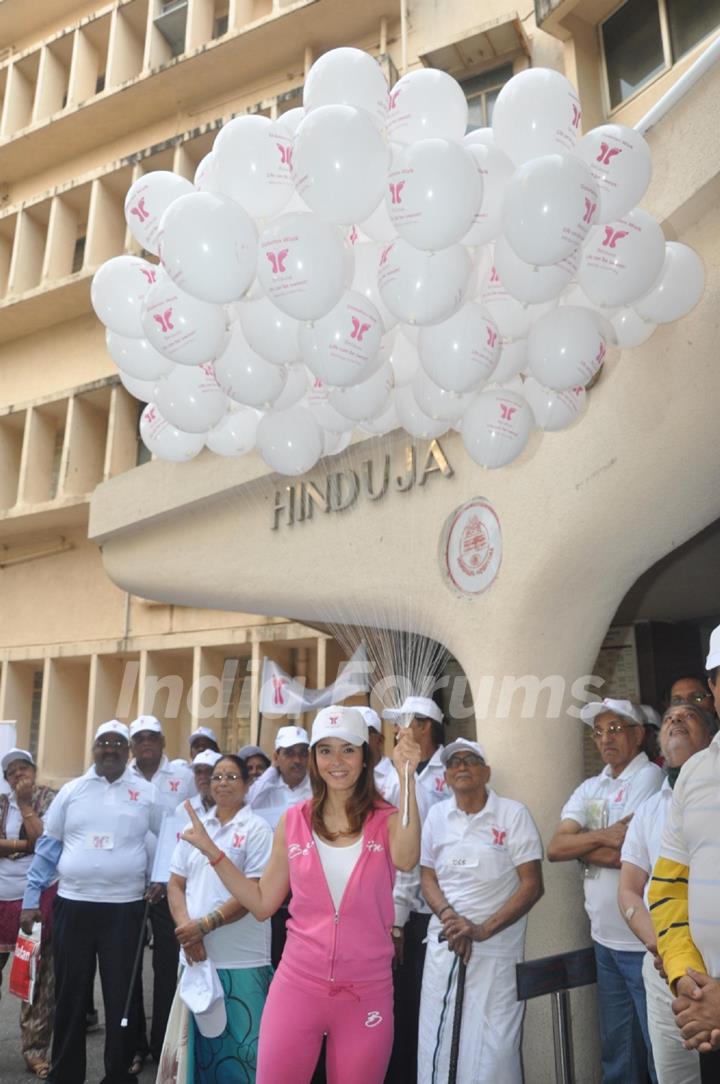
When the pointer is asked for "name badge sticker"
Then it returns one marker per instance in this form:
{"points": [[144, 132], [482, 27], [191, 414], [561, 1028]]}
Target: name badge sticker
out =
{"points": [[95, 841]]}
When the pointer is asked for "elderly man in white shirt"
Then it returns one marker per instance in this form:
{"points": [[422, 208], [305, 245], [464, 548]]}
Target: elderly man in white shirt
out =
{"points": [[592, 828], [481, 874], [94, 838], [684, 731]]}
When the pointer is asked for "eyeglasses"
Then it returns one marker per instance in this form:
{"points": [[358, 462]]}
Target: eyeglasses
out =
{"points": [[111, 743], [614, 728], [470, 760], [691, 698], [231, 777]]}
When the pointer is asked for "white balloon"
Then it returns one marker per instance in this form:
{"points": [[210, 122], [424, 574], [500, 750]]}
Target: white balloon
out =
{"points": [[341, 347], [290, 441], [513, 359], [205, 179], [536, 113], [190, 398], [253, 158], [235, 433], [378, 226], [183, 328], [460, 353], [366, 400], [622, 259], [423, 287], [512, 318], [291, 119], [403, 357], [433, 192], [554, 410], [294, 390], [209, 247], [334, 443], [530, 282], [365, 280], [146, 202], [496, 427], [271, 333], [317, 400], [118, 291], [484, 136], [550, 204], [566, 348], [621, 164], [415, 420], [630, 329], [303, 265], [426, 104], [495, 169], [142, 390], [340, 162], [678, 289], [384, 423], [438, 403], [246, 377], [165, 441], [347, 77], [136, 357]]}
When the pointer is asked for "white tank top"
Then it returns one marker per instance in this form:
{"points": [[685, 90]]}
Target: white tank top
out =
{"points": [[338, 864]]}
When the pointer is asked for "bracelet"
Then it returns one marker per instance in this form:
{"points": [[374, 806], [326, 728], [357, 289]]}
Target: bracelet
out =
{"points": [[27, 816], [447, 907], [214, 861]]}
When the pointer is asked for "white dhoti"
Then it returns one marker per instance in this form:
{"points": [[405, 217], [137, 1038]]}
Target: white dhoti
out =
{"points": [[673, 1063], [491, 1020]]}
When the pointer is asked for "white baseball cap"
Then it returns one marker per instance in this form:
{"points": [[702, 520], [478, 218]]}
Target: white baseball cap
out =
{"points": [[201, 991], [415, 705], [347, 724], [145, 722], [207, 759], [713, 658], [461, 745], [288, 736], [114, 726], [590, 712], [202, 732], [248, 751], [16, 754], [371, 717]]}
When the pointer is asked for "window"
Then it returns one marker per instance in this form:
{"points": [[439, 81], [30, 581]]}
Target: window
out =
{"points": [[481, 93], [645, 37]]}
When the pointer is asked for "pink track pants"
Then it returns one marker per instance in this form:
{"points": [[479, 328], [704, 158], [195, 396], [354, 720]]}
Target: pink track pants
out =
{"points": [[357, 1019]]}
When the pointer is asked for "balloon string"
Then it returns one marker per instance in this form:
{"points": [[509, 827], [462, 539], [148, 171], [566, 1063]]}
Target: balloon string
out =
{"points": [[406, 801]]}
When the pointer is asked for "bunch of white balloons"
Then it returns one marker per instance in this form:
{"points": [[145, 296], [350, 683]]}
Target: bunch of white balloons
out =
{"points": [[364, 261]]}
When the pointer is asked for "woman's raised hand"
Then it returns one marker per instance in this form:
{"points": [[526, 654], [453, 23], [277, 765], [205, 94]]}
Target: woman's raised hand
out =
{"points": [[406, 751], [197, 835]]}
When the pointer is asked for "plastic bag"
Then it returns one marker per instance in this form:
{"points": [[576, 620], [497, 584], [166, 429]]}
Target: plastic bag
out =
{"points": [[26, 964]]}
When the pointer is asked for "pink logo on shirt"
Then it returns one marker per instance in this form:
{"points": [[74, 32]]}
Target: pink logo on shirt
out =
{"points": [[620, 795], [439, 784], [238, 840], [100, 842], [498, 836], [134, 795], [174, 785]]}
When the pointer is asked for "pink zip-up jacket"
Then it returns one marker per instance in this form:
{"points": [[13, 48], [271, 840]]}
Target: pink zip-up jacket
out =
{"points": [[352, 944]]}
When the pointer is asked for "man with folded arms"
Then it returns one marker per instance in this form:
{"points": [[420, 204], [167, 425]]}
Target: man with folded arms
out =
{"points": [[94, 838], [481, 874]]}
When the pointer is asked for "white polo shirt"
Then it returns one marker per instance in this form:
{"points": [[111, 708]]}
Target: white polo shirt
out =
{"points": [[385, 776], [474, 856], [622, 795], [102, 827], [247, 841], [642, 842], [270, 796], [13, 871], [691, 838], [174, 782], [430, 783]]}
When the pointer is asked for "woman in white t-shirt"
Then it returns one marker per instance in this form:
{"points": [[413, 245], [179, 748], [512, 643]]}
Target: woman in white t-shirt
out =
{"points": [[212, 925]]}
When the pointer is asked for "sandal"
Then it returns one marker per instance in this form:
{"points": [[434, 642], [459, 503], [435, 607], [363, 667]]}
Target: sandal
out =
{"points": [[136, 1065], [39, 1067]]}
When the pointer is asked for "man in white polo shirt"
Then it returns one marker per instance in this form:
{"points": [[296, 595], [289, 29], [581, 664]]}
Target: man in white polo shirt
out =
{"points": [[94, 837], [685, 730], [202, 739], [286, 781], [592, 829], [481, 874], [202, 769], [684, 894], [174, 784]]}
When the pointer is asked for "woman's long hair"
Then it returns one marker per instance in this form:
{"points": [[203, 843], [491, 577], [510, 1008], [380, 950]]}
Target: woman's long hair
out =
{"points": [[364, 798]]}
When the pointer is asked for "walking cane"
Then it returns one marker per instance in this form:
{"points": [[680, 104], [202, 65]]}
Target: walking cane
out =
{"points": [[457, 1022], [136, 965]]}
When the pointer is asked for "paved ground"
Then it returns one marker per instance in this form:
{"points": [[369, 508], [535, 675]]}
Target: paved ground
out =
{"points": [[12, 1066]]}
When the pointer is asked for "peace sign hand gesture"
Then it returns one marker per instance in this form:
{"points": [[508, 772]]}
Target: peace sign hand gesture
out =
{"points": [[197, 836]]}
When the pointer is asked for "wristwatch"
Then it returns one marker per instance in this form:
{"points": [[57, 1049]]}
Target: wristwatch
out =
{"points": [[629, 914], [396, 933]]}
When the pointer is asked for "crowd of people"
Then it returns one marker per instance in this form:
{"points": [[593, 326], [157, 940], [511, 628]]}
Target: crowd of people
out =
{"points": [[310, 914]]}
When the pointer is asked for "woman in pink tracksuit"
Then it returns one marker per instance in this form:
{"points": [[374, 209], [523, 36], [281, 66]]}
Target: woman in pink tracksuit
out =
{"points": [[337, 854]]}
